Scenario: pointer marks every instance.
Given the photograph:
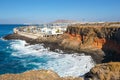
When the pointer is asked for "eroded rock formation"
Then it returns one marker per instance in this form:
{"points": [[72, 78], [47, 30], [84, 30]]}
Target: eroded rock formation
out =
{"points": [[106, 71], [95, 35], [102, 40], [99, 36], [36, 75]]}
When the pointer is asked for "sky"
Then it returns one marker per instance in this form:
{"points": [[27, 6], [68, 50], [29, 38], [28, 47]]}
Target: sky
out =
{"points": [[43, 11]]}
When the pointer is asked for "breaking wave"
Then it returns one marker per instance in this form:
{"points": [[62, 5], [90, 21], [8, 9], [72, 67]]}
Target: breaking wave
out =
{"points": [[38, 57]]}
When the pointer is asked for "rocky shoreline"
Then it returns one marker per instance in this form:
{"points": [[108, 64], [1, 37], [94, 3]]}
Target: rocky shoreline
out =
{"points": [[55, 45], [100, 40], [36, 75], [105, 71]]}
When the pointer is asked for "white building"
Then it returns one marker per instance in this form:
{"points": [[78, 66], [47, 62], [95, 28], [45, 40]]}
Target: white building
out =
{"points": [[51, 31]]}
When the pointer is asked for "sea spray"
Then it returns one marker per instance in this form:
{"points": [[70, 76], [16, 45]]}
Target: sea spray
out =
{"points": [[39, 57], [22, 57]]}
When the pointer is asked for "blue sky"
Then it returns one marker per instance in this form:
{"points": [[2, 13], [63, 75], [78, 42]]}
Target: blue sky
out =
{"points": [[40, 11]]}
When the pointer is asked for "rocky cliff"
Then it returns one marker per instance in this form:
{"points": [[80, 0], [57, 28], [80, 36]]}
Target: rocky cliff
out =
{"points": [[106, 71], [100, 40], [97, 36]]}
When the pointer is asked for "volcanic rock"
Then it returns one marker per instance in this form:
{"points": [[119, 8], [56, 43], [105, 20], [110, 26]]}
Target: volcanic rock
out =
{"points": [[106, 71]]}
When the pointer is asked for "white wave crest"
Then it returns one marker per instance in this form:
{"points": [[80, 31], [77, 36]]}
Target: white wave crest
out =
{"points": [[63, 64], [1, 38]]}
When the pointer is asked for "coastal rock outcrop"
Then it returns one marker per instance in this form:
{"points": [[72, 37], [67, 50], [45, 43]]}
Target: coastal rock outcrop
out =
{"points": [[36, 75], [106, 71], [100, 40], [93, 37]]}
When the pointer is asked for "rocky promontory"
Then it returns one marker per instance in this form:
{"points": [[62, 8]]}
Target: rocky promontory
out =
{"points": [[100, 40], [94, 37], [106, 71]]}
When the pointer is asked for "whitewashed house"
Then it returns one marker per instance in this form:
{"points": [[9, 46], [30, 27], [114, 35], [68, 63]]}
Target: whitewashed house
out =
{"points": [[52, 31], [43, 31]]}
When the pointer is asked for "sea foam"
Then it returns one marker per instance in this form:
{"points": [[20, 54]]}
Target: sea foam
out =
{"points": [[1, 38], [43, 58]]}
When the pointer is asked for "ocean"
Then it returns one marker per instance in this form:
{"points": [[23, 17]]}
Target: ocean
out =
{"points": [[16, 57]]}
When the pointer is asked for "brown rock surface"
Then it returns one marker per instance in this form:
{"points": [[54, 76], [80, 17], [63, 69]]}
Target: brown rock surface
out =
{"points": [[94, 37], [36, 75], [106, 71]]}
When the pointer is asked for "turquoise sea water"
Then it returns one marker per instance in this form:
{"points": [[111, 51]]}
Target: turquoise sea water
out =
{"points": [[15, 57]]}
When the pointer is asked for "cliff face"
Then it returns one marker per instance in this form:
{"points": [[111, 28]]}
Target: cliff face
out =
{"points": [[106, 71], [99, 36]]}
